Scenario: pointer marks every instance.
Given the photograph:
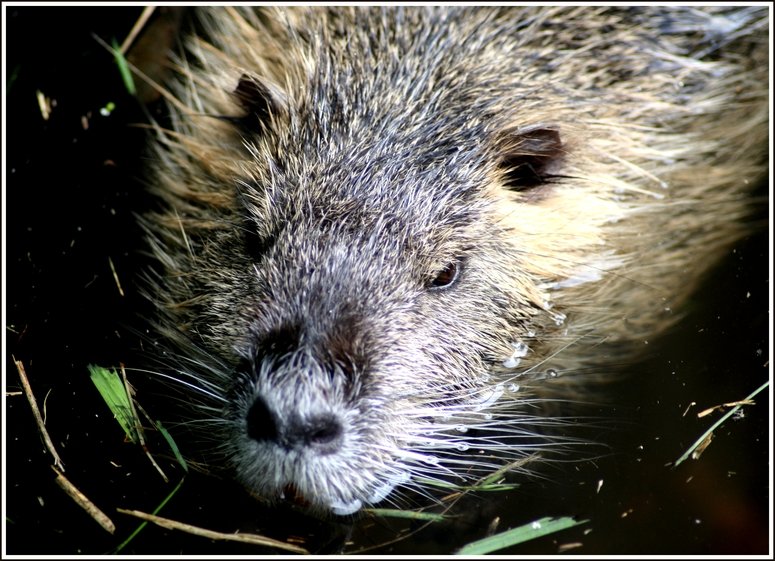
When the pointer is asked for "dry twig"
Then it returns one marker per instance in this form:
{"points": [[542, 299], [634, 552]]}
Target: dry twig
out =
{"points": [[83, 501], [36, 413], [244, 538]]}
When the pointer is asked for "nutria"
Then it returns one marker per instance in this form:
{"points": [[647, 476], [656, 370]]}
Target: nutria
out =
{"points": [[394, 240]]}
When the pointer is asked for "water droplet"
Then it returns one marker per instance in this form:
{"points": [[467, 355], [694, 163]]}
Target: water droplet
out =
{"points": [[511, 362], [401, 477], [513, 388], [559, 318], [381, 492], [520, 348], [552, 373], [462, 447], [461, 428], [344, 508], [490, 398]]}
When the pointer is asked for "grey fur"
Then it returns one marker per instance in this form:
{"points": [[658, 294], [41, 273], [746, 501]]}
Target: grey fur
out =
{"points": [[414, 219]]}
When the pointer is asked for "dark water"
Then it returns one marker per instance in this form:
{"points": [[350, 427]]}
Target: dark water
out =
{"points": [[71, 193]]}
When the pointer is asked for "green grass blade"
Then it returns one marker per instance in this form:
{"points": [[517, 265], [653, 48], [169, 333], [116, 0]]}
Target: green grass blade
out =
{"points": [[123, 68], [168, 437], [410, 514], [715, 425], [113, 391], [518, 535], [155, 511]]}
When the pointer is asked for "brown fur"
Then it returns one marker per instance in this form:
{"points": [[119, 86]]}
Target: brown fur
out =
{"points": [[580, 168]]}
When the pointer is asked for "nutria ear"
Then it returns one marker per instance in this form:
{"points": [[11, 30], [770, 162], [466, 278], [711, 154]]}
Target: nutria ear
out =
{"points": [[259, 102], [529, 157]]}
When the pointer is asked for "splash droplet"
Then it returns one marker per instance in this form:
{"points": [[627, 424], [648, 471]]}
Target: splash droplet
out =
{"points": [[520, 348], [490, 398], [559, 318], [511, 362]]}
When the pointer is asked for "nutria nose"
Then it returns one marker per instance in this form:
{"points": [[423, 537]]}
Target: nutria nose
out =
{"points": [[322, 433]]}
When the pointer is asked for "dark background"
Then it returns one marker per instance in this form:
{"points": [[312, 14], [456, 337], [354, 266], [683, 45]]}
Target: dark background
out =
{"points": [[71, 197]]}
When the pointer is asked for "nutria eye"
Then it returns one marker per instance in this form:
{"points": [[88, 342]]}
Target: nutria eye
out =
{"points": [[446, 277]]}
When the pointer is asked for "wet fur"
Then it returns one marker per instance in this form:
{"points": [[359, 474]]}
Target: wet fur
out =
{"points": [[572, 171]]}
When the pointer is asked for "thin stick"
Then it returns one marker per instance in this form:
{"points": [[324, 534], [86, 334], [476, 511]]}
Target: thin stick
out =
{"points": [[210, 534], [36, 413], [162, 91], [139, 425], [115, 276], [139, 24], [710, 410], [83, 501]]}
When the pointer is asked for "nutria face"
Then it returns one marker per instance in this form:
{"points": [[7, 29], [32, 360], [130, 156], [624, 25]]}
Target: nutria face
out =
{"points": [[372, 332], [379, 290], [386, 231]]}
